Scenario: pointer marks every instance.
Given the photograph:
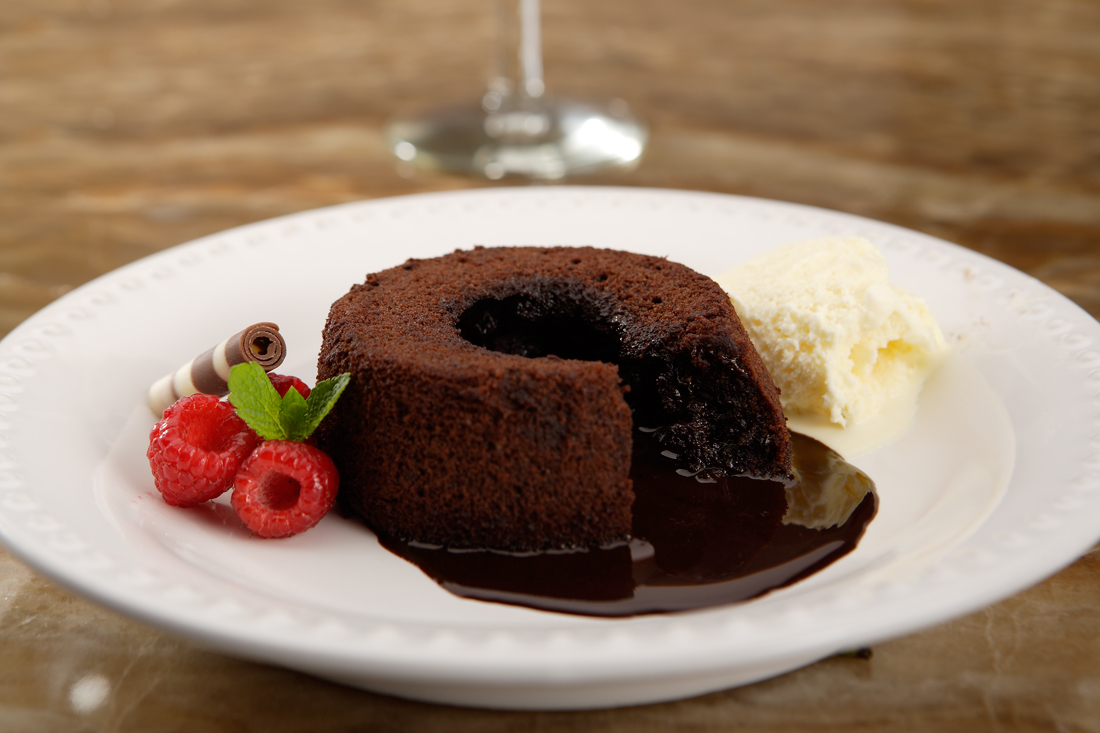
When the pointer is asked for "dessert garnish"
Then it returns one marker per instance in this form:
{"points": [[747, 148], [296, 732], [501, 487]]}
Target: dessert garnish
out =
{"points": [[284, 488], [208, 373], [289, 417], [197, 448], [281, 484]]}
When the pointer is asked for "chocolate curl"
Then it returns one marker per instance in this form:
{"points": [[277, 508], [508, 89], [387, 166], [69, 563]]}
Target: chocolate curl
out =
{"points": [[208, 373]]}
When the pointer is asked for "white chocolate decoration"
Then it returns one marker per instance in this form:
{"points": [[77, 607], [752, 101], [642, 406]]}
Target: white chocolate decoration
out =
{"points": [[208, 373]]}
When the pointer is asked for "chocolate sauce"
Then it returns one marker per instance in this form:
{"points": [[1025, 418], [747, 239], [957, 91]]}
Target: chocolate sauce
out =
{"points": [[698, 540]]}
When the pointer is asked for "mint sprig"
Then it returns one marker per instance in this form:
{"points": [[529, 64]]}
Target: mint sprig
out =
{"points": [[290, 417]]}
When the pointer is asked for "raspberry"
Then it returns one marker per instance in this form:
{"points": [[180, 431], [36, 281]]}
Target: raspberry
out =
{"points": [[282, 383], [196, 449], [284, 488]]}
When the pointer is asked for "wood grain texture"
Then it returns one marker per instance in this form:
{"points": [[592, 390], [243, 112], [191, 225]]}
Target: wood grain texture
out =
{"points": [[129, 126]]}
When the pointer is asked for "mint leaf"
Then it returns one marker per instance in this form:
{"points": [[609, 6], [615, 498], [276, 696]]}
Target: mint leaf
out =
{"points": [[320, 403], [256, 400], [288, 418], [292, 412]]}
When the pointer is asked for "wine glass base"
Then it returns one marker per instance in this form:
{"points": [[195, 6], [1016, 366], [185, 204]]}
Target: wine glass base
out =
{"points": [[543, 139]]}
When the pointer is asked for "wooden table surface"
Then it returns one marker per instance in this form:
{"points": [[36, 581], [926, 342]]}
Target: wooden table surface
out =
{"points": [[129, 126]]}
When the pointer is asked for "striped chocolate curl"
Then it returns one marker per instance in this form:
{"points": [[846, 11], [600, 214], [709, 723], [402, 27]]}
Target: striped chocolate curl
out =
{"points": [[208, 373]]}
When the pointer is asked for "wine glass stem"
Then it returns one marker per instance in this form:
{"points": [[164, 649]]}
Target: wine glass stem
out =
{"points": [[519, 50], [530, 48]]}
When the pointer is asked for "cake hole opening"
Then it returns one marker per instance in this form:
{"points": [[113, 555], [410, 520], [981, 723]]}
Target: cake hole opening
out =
{"points": [[279, 491], [521, 325], [567, 329]]}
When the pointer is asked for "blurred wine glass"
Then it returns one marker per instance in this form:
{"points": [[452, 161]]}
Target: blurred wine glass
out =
{"points": [[517, 128]]}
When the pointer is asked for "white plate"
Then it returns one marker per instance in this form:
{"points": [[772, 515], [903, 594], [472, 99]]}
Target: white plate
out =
{"points": [[995, 487]]}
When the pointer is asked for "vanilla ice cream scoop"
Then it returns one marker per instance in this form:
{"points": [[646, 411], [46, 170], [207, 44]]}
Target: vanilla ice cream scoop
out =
{"points": [[839, 340]]}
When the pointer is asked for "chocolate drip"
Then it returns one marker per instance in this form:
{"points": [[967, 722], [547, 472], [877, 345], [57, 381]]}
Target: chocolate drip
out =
{"points": [[698, 540]]}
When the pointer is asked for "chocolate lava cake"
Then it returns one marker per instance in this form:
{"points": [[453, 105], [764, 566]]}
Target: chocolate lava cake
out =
{"points": [[494, 390]]}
